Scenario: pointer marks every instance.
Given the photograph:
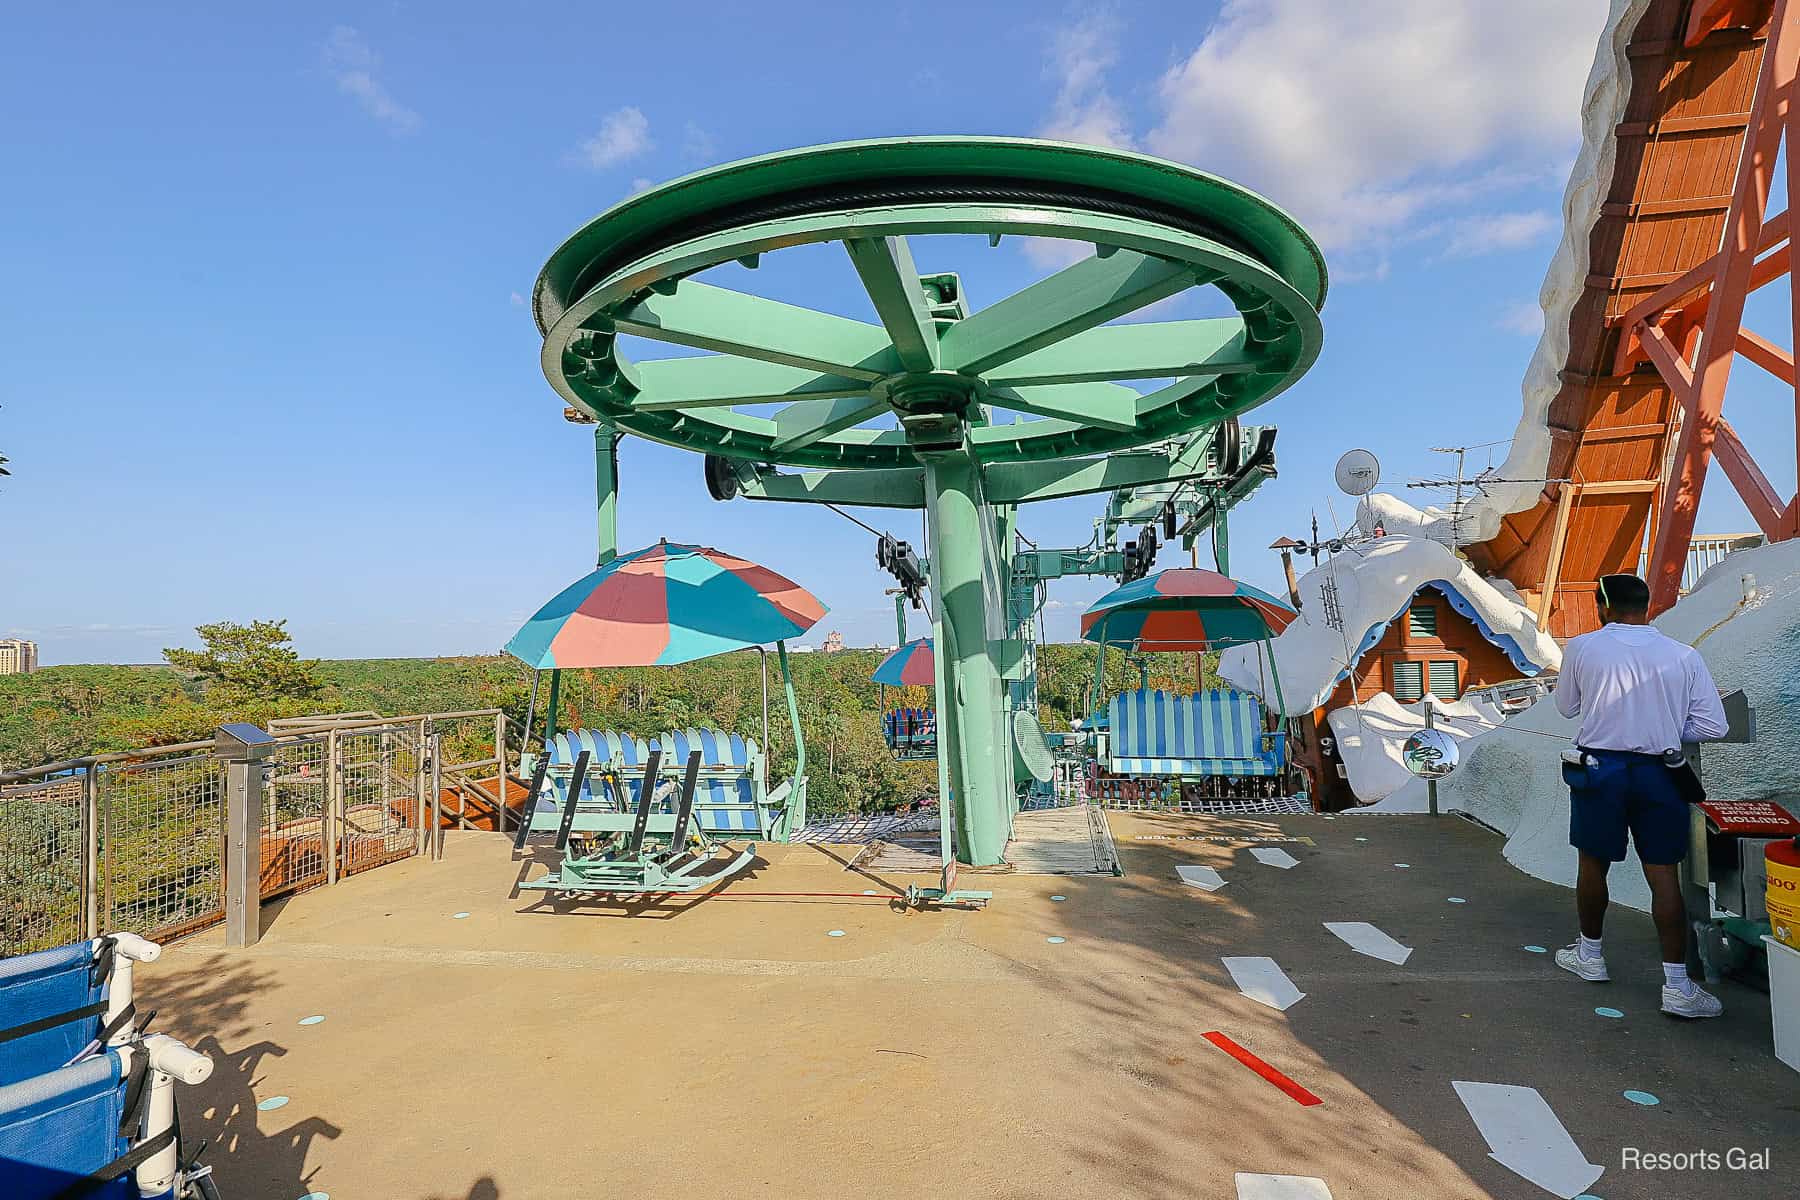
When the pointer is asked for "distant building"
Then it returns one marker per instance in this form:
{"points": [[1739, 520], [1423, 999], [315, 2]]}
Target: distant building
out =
{"points": [[834, 641], [17, 657]]}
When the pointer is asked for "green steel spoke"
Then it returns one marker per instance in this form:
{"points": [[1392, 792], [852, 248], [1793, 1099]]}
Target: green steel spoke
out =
{"points": [[1077, 298], [721, 380], [1152, 350], [714, 318], [895, 487], [806, 421], [1107, 405], [892, 281]]}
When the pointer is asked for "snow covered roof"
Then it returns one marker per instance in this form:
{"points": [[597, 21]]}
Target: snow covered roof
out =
{"points": [[1375, 584]]}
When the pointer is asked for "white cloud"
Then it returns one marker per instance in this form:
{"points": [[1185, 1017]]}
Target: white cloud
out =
{"points": [[642, 183], [1524, 318], [624, 134], [518, 301], [1491, 233], [697, 144], [1369, 120], [1085, 110], [352, 64]]}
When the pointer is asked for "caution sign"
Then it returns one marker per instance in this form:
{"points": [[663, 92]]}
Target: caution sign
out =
{"points": [[1749, 818]]}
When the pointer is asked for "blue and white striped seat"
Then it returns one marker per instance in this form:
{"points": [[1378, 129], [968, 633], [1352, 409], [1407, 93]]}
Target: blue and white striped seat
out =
{"points": [[1218, 732], [730, 796]]}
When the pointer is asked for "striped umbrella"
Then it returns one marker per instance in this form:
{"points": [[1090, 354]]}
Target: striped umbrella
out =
{"points": [[663, 605], [1185, 608], [912, 664]]}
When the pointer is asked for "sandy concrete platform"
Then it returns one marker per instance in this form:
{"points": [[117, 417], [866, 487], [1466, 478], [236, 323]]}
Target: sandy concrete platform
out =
{"points": [[733, 1047]]}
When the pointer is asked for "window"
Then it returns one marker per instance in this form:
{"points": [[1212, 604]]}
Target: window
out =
{"points": [[1444, 680], [1424, 620], [1408, 683]]}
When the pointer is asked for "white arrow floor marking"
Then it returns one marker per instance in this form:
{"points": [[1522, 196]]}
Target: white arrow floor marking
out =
{"points": [[1524, 1135], [1264, 981], [1274, 857], [1204, 878], [1364, 938], [1280, 1187]]}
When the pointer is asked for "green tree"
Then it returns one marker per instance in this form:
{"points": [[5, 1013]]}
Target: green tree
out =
{"points": [[249, 663]]}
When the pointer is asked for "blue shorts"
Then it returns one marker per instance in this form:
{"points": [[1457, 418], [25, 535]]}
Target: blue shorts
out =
{"points": [[1627, 792]]}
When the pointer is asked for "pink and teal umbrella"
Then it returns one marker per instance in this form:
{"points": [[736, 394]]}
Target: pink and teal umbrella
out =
{"points": [[1185, 608], [663, 605], [912, 664]]}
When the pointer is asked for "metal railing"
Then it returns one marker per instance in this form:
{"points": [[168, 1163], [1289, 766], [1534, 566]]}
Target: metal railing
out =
{"points": [[135, 841]]}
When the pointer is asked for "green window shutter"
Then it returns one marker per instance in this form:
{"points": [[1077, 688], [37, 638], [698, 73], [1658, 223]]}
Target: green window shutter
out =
{"points": [[1409, 681], [1445, 681], [1424, 621]]}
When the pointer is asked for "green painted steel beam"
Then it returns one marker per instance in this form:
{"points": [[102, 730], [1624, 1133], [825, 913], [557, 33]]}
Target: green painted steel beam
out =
{"points": [[705, 317], [721, 380], [1107, 405], [806, 421], [892, 281], [902, 487], [1024, 483], [1149, 350], [1076, 298]]}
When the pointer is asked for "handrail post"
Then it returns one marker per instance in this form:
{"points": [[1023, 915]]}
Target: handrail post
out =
{"points": [[500, 770], [90, 859], [244, 783], [334, 788], [437, 792]]}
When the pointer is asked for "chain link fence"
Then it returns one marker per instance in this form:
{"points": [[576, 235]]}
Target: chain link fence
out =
{"points": [[43, 862], [162, 844], [136, 841]]}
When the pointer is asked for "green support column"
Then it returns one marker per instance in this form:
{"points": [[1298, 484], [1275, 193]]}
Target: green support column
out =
{"points": [[606, 491], [975, 764]]}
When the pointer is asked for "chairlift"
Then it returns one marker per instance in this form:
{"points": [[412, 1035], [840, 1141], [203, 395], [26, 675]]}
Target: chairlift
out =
{"points": [[909, 731]]}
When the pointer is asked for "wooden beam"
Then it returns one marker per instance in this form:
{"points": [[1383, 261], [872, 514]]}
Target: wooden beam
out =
{"points": [[1715, 122], [1669, 362], [1696, 207], [1558, 541], [1619, 487], [1753, 487], [1767, 355]]}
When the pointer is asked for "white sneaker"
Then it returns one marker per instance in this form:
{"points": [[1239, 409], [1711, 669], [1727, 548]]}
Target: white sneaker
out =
{"points": [[1697, 1003], [1591, 969]]}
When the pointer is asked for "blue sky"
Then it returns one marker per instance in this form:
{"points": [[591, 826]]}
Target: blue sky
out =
{"points": [[267, 352]]}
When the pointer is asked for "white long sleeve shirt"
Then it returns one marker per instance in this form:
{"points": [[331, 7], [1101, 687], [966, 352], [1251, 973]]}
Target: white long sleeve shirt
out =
{"points": [[1635, 689]]}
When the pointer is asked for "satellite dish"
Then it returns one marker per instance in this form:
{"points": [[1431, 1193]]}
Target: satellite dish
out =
{"points": [[1357, 473], [1430, 754]]}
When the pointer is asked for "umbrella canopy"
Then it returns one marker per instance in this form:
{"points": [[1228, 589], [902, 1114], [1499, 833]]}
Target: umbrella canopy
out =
{"points": [[663, 605], [912, 664], [1185, 608]]}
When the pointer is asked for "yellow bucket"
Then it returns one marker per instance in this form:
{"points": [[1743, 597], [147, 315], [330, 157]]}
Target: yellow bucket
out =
{"points": [[1783, 859]]}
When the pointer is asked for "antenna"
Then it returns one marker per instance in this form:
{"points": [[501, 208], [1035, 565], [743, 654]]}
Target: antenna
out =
{"points": [[1357, 472], [1463, 482]]}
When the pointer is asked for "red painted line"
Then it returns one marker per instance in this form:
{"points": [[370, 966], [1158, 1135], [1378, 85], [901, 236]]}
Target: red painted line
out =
{"points": [[1294, 1090]]}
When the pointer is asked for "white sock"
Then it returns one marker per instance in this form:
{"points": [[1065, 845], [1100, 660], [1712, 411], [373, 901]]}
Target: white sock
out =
{"points": [[1590, 947], [1675, 975]]}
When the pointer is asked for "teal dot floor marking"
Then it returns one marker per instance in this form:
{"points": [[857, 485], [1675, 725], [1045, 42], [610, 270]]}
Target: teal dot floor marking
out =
{"points": [[1644, 1098], [1059, 899], [834, 933], [870, 892], [1362, 839], [272, 1103], [312, 1020], [459, 916], [1403, 866], [1614, 1013], [1456, 900], [316, 1196], [1536, 950], [1056, 941]]}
